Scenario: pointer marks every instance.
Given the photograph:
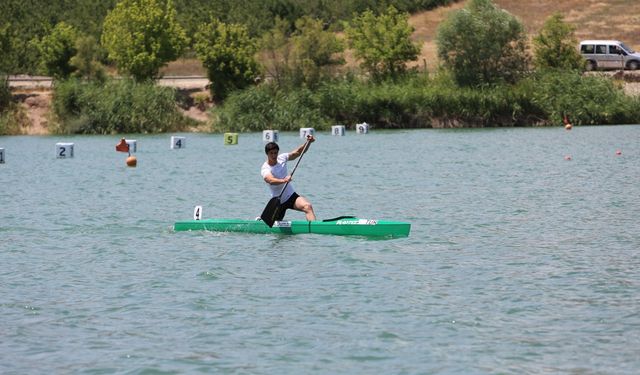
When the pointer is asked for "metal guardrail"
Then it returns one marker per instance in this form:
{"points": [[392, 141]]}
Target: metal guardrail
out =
{"points": [[45, 78], [26, 81]]}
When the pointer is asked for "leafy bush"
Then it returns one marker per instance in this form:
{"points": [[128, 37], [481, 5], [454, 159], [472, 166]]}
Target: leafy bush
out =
{"points": [[56, 50], [482, 44], [420, 101], [143, 35], [382, 43], [12, 120], [119, 106], [5, 93], [555, 45], [587, 100], [259, 108], [226, 51]]}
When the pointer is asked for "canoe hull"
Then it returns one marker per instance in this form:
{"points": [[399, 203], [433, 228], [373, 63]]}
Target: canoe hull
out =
{"points": [[341, 227]]}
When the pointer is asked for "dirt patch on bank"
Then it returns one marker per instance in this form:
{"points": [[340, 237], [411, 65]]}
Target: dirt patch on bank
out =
{"points": [[37, 105]]}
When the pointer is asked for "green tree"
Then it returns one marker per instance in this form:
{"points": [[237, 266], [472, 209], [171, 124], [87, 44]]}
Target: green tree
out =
{"points": [[141, 36], [7, 50], [383, 42], [86, 59], [57, 49], [315, 52], [7, 64], [300, 55], [227, 52], [276, 51], [555, 46], [482, 44]]}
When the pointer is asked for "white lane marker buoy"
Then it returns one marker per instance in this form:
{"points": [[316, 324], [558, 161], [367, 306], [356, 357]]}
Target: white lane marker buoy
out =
{"points": [[304, 132], [64, 150], [178, 142], [270, 136], [337, 130]]}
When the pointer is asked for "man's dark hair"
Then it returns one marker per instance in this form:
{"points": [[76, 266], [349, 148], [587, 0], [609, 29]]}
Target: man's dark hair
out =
{"points": [[271, 146]]}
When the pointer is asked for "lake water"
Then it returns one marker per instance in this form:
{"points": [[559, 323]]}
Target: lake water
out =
{"points": [[519, 260]]}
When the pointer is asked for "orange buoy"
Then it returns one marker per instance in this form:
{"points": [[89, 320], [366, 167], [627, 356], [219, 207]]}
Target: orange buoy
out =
{"points": [[567, 157], [132, 161], [568, 126], [123, 146], [618, 152]]}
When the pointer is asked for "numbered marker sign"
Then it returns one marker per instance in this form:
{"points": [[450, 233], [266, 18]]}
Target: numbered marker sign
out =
{"points": [[133, 145], [64, 150], [362, 128], [304, 132], [230, 138], [1, 155], [270, 135], [197, 213], [337, 130], [178, 142]]}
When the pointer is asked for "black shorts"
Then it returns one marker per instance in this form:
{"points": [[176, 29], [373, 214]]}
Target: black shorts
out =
{"points": [[288, 204]]}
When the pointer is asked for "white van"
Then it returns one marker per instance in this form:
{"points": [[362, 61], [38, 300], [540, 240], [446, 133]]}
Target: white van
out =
{"points": [[609, 54]]}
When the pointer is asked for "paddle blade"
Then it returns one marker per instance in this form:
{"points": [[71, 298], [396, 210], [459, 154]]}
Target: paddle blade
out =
{"points": [[270, 212]]}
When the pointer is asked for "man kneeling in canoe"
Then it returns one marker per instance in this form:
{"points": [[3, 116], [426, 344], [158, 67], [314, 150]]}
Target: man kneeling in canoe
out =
{"points": [[274, 173]]}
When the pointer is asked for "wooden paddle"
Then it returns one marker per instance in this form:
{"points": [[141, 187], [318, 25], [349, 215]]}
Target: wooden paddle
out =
{"points": [[271, 211]]}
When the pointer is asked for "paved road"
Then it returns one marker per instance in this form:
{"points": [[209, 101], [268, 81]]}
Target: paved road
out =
{"points": [[182, 82]]}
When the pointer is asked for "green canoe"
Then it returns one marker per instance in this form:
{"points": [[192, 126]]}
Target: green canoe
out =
{"points": [[342, 226]]}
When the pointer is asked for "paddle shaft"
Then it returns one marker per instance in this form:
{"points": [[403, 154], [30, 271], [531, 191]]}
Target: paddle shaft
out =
{"points": [[304, 150]]}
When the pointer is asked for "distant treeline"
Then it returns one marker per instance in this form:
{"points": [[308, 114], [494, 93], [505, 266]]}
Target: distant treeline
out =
{"points": [[34, 19], [280, 64]]}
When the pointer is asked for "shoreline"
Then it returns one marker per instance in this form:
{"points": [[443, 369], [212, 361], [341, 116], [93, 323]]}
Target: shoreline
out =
{"points": [[34, 95]]}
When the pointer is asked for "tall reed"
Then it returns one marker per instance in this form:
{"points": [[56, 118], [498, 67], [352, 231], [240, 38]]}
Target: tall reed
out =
{"points": [[423, 102], [118, 106]]}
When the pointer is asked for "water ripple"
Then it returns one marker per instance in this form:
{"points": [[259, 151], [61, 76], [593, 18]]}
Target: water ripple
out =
{"points": [[518, 260]]}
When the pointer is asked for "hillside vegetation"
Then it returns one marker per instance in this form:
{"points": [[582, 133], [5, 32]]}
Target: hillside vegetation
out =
{"points": [[593, 19], [498, 85]]}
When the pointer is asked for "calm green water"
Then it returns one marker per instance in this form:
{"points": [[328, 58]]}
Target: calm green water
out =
{"points": [[519, 261]]}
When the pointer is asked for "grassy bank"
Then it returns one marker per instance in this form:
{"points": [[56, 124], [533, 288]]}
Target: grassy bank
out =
{"points": [[12, 117], [423, 102], [117, 106], [418, 101], [12, 120]]}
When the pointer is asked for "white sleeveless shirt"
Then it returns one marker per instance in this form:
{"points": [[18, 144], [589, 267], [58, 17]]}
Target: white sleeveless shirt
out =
{"points": [[278, 171]]}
